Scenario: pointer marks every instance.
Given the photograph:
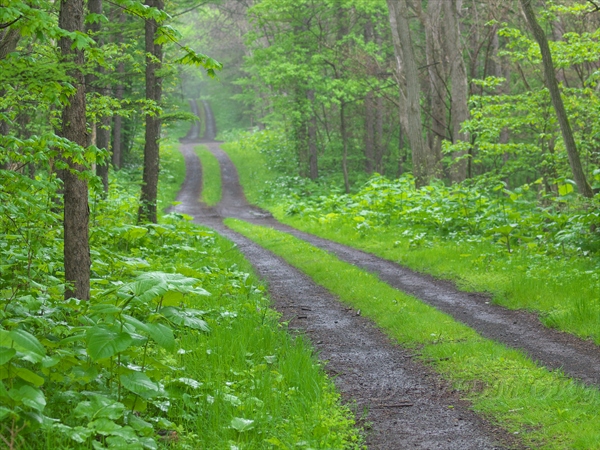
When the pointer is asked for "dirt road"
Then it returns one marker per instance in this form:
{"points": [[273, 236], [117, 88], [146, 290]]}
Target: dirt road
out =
{"points": [[405, 404]]}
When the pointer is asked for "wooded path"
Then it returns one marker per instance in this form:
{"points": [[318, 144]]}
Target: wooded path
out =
{"points": [[407, 405]]}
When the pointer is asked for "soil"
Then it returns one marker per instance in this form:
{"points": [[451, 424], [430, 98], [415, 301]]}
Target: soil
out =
{"points": [[401, 402]]}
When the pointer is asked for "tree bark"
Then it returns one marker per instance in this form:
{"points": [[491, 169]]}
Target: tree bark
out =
{"points": [[369, 110], [9, 38], [436, 67], [345, 146], [557, 102], [313, 156], [147, 211], [406, 63], [458, 78], [76, 211]]}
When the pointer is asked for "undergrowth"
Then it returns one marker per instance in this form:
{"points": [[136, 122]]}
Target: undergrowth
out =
{"points": [[177, 347], [531, 249]]}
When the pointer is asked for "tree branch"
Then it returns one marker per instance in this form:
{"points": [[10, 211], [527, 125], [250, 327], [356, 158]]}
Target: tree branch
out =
{"points": [[6, 25]]}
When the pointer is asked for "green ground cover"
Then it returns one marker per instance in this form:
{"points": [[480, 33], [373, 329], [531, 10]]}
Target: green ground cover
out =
{"points": [[546, 409], [177, 347], [539, 255]]}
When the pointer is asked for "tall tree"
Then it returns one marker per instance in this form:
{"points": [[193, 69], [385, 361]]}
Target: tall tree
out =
{"points": [[154, 55], [101, 127], [557, 102], [458, 78], [406, 63], [76, 210]]}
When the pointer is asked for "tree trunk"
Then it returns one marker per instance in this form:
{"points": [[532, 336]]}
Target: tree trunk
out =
{"points": [[369, 109], [9, 39], [458, 78], [369, 133], [436, 66], [557, 102], [76, 211], [345, 146], [313, 156], [147, 211], [117, 129], [405, 59], [102, 133]]}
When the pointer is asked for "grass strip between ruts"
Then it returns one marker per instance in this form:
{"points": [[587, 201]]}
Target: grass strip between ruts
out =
{"points": [[211, 176], [547, 409]]}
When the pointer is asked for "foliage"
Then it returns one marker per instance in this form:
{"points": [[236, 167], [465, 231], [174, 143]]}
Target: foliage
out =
{"points": [[149, 358], [530, 248]]}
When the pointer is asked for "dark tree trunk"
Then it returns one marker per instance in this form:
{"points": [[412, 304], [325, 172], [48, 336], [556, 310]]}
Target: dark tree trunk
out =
{"points": [[103, 142], [76, 211], [458, 75], [9, 38], [557, 102], [147, 211], [369, 110]]}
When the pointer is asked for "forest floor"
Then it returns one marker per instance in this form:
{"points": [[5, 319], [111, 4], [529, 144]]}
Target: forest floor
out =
{"points": [[399, 400]]}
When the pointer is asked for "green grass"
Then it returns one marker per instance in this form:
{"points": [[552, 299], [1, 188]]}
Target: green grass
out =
{"points": [[172, 167], [252, 171], [565, 292], [211, 176], [545, 408], [253, 370]]}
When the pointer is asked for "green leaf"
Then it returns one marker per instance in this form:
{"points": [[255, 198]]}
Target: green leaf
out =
{"points": [[565, 189], [162, 335], [6, 354], [185, 317], [4, 412], [139, 383], [242, 425], [29, 376], [29, 396], [103, 342], [104, 426], [159, 333], [79, 434], [99, 406], [151, 285], [139, 425], [27, 344]]}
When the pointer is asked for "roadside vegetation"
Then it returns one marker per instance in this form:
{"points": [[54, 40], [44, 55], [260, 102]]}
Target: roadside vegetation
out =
{"points": [[545, 409], [538, 254], [177, 347]]}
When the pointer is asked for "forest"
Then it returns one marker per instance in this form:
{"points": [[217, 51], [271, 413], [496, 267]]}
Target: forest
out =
{"points": [[159, 157]]}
